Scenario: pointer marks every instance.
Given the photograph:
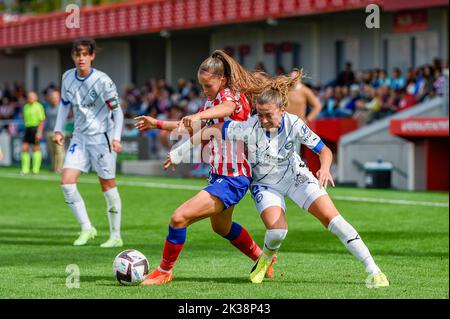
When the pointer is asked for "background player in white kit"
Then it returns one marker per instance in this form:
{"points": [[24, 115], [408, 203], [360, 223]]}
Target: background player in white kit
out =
{"points": [[93, 97], [273, 139]]}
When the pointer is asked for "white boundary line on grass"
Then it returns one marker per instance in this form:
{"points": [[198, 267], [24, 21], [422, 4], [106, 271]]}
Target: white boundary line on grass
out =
{"points": [[190, 187]]}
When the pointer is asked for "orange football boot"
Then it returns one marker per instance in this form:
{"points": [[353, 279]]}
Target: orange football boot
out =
{"points": [[158, 277]]}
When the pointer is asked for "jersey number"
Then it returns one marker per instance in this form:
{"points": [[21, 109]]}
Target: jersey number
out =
{"points": [[72, 148]]}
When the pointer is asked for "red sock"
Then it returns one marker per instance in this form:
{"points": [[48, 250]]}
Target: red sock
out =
{"points": [[247, 245], [170, 255]]}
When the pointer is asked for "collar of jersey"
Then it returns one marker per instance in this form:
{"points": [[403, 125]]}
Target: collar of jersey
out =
{"points": [[82, 80], [279, 130]]}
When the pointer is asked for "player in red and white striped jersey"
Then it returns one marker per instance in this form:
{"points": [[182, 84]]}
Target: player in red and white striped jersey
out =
{"points": [[226, 157], [227, 85]]}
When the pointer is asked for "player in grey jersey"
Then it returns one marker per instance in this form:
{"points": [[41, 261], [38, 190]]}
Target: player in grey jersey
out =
{"points": [[273, 138], [98, 121]]}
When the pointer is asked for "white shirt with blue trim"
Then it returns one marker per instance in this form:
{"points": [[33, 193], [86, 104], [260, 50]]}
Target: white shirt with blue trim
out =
{"points": [[92, 99], [274, 155]]}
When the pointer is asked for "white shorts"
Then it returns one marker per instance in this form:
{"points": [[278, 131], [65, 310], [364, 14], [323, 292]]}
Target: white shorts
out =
{"points": [[303, 189], [83, 155]]}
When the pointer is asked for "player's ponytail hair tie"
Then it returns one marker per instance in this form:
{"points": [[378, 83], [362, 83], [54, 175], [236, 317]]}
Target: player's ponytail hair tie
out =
{"points": [[226, 66]]}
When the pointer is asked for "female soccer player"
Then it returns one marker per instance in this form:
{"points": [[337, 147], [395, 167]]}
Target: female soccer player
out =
{"points": [[92, 95], [273, 138], [226, 85]]}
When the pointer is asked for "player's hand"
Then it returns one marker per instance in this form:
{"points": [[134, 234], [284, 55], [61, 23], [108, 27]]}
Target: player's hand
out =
{"points": [[324, 177], [38, 136], [116, 146], [168, 163], [188, 121], [145, 123], [58, 138]]}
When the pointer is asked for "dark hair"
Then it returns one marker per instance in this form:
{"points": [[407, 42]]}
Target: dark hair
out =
{"points": [[89, 44]]}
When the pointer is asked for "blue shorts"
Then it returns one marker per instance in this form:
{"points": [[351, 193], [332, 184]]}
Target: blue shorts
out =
{"points": [[230, 190]]}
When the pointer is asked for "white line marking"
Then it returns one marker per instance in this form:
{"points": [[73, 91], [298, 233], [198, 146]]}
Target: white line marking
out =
{"points": [[197, 188]]}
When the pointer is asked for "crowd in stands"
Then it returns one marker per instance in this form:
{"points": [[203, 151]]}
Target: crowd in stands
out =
{"points": [[366, 96], [373, 94]]}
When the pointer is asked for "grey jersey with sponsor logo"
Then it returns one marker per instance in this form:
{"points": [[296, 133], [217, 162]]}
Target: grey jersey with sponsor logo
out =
{"points": [[87, 97], [274, 155]]}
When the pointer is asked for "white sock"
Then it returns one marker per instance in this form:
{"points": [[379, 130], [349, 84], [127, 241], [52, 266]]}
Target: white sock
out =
{"points": [[272, 242], [114, 211], [351, 240], [75, 202]]}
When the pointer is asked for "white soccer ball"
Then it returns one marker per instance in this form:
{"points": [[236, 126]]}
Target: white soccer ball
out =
{"points": [[130, 267]]}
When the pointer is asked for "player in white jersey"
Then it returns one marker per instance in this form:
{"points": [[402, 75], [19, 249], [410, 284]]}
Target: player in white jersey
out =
{"points": [[98, 121], [273, 138]]}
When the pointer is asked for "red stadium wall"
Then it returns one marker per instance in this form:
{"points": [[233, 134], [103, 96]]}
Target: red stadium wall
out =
{"points": [[434, 132], [147, 16], [330, 131], [437, 163]]}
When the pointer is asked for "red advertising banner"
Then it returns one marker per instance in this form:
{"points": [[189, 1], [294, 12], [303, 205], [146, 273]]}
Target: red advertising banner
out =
{"points": [[410, 21], [420, 127]]}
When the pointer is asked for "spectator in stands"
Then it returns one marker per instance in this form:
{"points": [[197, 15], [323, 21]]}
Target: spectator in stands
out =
{"points": [[195, 102], [407, 99], [346, 77], [426, 82], [382, 79], [439, 82], [174, 113], [6, 108], [396, 81], [329, 103]]}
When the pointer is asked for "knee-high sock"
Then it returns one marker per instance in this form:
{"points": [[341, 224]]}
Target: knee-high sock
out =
{"points": [[37, 159], [114, 211], [351, 240], [272, 242], [172, 248], [76, 204], [25, 157], [240, 238]]}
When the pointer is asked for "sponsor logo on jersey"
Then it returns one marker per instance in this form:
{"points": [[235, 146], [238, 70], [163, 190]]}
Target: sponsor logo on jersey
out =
{"points": [[289, 145], [93, 94]]}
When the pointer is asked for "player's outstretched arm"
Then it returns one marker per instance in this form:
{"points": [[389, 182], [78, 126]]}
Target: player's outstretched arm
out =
{"points": [[176, 155], [145, 123], [224, 109]]}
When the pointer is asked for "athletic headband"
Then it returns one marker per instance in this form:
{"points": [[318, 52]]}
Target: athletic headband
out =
{"points": [[225, 63]]}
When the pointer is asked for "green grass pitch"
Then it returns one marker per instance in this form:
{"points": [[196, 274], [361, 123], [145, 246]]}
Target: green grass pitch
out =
{"points": [[409, 242]]}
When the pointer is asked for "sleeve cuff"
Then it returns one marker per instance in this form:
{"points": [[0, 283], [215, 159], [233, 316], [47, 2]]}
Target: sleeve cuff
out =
{"points": [[224, 129], [318, 147]]}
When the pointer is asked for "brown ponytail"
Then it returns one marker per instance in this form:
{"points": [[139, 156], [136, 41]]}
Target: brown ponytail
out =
{"points": [[277, 90], [238, 78]]}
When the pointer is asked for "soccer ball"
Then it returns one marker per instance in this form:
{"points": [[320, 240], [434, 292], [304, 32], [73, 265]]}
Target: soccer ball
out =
{"points": [[130, 267]]}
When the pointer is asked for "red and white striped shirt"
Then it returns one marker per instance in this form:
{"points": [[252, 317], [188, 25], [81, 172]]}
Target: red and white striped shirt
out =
{"points": [[229, 158]]}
